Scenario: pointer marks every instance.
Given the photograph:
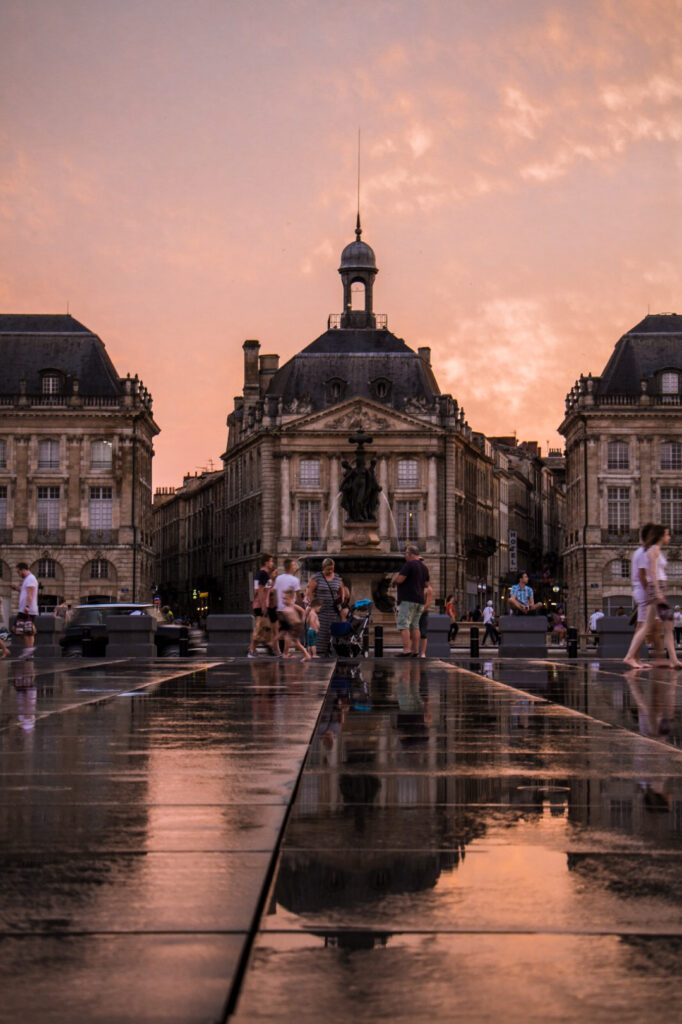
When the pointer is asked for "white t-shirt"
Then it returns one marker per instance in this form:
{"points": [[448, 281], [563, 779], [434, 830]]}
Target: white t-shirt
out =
{"points": [[640, 560], [661, 567], [594, 619], [29, 581], [488, 615], [283, 583]]}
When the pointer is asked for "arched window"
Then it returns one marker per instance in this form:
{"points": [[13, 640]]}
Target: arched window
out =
{"points": [[381, 388], [99, 569], [671, 455], [46, 569], [617, 455], [335, 389], [357, 295]]}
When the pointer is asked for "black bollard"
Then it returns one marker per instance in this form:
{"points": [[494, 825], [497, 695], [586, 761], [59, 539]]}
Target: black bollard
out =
{"points": [[473, 641], [572, 642], [378, 641]]}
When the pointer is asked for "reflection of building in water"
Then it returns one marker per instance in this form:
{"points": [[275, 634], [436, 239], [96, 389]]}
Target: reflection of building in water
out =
{"points": [[351, 792]]}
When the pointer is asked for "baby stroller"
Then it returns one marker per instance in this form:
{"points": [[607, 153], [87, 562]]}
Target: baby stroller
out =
{"points": [[350, 639]]}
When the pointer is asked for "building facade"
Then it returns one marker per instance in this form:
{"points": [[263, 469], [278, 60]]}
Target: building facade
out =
{"points": [[75, 466], [288, 438], [623, 434]]}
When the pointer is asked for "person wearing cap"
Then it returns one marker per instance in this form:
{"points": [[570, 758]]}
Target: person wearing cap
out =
{"points": [[489, 623]]}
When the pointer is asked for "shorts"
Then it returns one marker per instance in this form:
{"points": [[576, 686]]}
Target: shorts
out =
{"points": [[23, 624], [424, 625], [311, 638], [640, 597], [409, 613]]}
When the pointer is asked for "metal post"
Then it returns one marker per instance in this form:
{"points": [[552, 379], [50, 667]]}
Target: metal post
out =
{"points": [[473, 641], [378, 641], [572, 642]]}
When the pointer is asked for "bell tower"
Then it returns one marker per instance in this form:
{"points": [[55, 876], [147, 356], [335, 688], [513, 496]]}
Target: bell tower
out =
{"points": [[358, 267]]}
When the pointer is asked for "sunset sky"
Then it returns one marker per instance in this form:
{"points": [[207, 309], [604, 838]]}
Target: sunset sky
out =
{"points": [[182, 173]]}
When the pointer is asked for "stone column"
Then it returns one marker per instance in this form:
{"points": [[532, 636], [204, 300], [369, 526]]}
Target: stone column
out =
{"points": [[22, 518], [384, 531], [285, 532], [432, 500], [73, 503], [334, 497]]}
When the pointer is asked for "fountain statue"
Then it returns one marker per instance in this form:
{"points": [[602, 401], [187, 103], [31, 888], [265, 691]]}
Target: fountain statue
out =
{"points": [[359, 487]]}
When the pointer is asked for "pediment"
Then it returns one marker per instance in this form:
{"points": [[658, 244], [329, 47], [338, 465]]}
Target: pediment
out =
{"points": [[357, 412]]}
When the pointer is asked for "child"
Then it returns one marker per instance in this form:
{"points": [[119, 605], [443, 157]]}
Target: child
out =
{"points": [[312, 622], [291, 624], [3, 646]]}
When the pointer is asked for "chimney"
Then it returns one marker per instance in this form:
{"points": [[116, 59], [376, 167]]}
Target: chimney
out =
{"points": [[251, 347], [425, 354], [268, 367]]}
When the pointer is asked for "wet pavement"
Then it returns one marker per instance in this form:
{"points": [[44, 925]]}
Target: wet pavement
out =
{"points": [[462, 850], [141, 805], [474, 840]]}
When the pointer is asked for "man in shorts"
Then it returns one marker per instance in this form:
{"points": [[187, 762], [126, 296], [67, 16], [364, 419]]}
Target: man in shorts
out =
{"points": [[28, 608], [260, 606], [411, 581]]}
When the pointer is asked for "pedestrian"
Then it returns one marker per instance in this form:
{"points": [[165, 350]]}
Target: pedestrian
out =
{"points": [[410, 580], [452, 613], [291, 619], [326, 585], [644, 596], [489, 623], [476, 614], [677, 624], [4, 635], [283, 581], [28, 608], [596, 615], [262, 613], [521, 598], [663, 621], [424, 620], [312, 627]]}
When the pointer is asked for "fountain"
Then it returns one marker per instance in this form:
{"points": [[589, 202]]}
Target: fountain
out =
{"points": [[364, 567]]}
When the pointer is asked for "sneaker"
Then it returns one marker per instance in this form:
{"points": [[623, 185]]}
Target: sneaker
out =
{"points": [[251, 654], [26, 653]]}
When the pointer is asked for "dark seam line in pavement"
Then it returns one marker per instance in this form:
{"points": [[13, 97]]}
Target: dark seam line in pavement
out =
{"points": [[245, 955], [660, 744]]}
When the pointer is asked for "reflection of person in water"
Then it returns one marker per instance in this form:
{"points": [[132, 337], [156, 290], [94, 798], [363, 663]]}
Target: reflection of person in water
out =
{"points": [[655, 710]]}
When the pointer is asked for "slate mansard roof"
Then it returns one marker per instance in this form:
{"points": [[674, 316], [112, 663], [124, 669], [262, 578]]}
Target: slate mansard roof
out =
{"points": [[653, 345], [32, 343], [358, 359]]}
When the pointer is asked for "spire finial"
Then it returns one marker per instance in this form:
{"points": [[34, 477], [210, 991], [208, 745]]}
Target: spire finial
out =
{"points": [[358, 229]]}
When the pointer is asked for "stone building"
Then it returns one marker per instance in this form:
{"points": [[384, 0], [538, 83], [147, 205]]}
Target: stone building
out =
{"points": [[536, 509], [623, 434], [288, 434], [75, 465]]}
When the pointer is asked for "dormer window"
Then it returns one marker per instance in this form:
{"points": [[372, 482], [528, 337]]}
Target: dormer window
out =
{"points": [[335, 389], [670, 383], [381, 389], [51, 382]]}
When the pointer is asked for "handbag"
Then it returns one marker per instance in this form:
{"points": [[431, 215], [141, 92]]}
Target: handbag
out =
{"points": [[664, 611]]}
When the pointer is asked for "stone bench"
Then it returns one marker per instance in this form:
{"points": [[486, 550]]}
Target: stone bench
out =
{"points": [[438, 646], [614, 633], [131, 636], [523, 636], [228, 635], [49, 628]]}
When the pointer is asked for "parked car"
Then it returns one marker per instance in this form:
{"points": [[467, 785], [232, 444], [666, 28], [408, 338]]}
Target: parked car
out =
{"points": [[86, 632]]}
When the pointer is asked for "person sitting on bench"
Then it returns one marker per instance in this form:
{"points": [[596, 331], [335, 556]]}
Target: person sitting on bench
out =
{"points": [[521, 598]]}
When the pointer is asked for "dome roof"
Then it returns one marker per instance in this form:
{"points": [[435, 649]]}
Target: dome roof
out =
{"points": [[358, 254]]}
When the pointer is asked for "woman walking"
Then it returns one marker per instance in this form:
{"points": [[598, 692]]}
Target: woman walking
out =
{"points": [[327, 587], [648, 576], [663, 616]]}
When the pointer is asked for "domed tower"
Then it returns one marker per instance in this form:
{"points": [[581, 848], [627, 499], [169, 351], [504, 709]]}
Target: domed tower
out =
{"points": [[358, 266]]}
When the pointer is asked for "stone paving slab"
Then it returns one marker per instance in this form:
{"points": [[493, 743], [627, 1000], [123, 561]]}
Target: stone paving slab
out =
{"points": [[463, 850], [141, 807]]}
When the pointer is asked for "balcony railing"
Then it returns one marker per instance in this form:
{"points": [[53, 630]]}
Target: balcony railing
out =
{"points": [[99, 537], [619, 535], [45, 535], [357, 318]]}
